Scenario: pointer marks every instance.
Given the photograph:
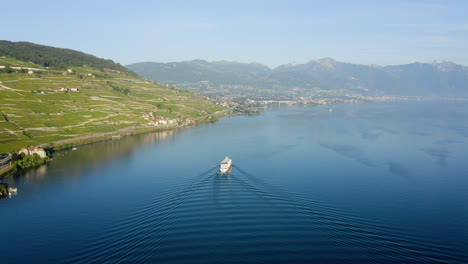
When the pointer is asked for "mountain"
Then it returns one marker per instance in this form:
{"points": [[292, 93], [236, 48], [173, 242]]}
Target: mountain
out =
{"points": [[325, 75], [55, 57], [79, 99], [328, 74], [219, 73]]}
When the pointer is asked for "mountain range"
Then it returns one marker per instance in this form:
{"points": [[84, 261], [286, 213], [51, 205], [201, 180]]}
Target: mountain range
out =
{"points": [[325, 75]]}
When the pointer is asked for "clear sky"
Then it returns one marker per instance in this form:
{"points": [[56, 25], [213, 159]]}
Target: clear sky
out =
{"points": [[270, 32]]}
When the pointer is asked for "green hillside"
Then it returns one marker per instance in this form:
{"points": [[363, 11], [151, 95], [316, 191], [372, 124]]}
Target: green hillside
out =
{"points": [[47, 56], [42, 106]]}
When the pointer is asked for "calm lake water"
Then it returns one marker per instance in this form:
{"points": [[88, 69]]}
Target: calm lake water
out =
{"points": [[344, 183]]}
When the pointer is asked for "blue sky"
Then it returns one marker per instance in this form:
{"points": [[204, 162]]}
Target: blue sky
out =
{"points": [[270, 32]]}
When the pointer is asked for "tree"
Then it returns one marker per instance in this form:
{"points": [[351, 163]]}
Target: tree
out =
{"points": [[8, 70], [56, 57]]}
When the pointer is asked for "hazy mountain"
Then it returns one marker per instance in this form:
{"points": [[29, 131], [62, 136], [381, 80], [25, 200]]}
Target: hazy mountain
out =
{"points": [[422, 79], [329, 74], [221, 72]]}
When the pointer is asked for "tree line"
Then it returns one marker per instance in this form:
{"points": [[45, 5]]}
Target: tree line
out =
{"points": [[55, 57]]}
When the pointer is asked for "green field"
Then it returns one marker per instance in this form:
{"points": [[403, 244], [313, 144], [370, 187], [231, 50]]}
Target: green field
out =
{"points": [[32, 114]]}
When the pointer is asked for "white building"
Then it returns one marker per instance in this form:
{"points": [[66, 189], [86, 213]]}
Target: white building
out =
{"points": [[33, 150]]}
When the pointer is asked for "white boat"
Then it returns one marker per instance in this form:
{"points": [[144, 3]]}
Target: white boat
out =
{"points": [[226, 165], [12, 190]]}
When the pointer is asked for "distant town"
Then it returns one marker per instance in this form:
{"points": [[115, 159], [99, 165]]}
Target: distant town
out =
{"points": [[247, 96]]}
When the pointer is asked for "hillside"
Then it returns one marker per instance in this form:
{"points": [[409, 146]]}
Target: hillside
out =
{"points": [[47, 56], [40, 105], [317, 78], [219, 73]]}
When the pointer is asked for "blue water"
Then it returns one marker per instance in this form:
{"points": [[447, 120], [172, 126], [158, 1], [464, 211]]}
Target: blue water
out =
{"points": [[344, 183]]}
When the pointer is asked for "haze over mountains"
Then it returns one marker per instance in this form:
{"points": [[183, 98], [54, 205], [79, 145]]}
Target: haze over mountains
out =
{"points": [[322, 76]]}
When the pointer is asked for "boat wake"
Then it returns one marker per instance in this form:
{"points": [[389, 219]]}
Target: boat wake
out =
{"points": [[241, 218]]}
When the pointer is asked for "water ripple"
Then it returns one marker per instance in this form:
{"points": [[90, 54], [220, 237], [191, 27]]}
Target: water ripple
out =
{"points": [[239, 218]]}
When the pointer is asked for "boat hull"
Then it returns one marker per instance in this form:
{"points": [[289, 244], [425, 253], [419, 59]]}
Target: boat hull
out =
{"points": [[225, 166], [225, 170]]}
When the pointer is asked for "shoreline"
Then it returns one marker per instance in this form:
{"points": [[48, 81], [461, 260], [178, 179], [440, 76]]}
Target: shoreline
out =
{"points": [[101, 137], [5, 171], [129, 131]]}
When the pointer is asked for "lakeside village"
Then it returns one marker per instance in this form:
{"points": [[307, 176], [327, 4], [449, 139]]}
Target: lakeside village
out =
{"points": [[24, 158]]}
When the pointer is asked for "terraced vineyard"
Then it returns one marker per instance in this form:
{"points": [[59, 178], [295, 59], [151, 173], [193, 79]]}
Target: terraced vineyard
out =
{"points": [[42, 107]]}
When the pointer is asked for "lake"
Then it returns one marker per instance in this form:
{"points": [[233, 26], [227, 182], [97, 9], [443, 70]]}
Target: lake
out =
{"points": [[341, 183]]}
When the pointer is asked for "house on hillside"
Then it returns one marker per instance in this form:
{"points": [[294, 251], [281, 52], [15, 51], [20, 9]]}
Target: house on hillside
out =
{"points": [[57, 89], [111, 70], [33, 150], [30, 72], [156, 120], [73, 89]]}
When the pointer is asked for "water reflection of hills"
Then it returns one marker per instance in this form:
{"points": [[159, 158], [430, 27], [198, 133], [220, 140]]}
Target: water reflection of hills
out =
{"points": [[70, 164]]}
